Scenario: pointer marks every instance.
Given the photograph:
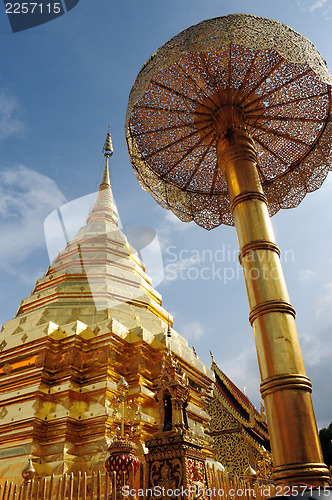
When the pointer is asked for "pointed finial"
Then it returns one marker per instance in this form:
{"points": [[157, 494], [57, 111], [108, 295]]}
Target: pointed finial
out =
{"points": [[122, 385], [212, 358], [29, 472], [169, 335], [104, 208], [108, 146], [250, 472], [194, 351]]}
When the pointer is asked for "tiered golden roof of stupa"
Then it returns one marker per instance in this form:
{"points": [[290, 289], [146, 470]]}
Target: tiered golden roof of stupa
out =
{"points": [[98, 269]]}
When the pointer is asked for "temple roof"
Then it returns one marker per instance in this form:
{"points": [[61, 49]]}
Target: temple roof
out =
{"points": [[237, 403]]}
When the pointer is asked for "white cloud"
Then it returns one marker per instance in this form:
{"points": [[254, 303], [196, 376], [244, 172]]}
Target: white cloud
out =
{"points": [[323, 307], [315, 339], [243, 371], [317, 5], [26, 198], [193, 330], [179, 269], [327, 183], [170, 224], [322, 7], [306, 276], [9, 122], [176, 222], [170, 232]]}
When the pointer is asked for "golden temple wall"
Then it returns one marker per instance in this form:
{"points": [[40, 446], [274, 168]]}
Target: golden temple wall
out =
{"points": [[58, 386]]}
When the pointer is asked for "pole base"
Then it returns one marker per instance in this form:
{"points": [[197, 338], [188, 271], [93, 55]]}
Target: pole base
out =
{"points": [[313, 474]]}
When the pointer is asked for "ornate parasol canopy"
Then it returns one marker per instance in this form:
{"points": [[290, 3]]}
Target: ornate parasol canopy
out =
{"points": [[275, 85]]}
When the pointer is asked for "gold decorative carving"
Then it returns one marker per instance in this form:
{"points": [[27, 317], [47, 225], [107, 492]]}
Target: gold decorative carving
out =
{"points": [[3, 345], [235, 450], [166, 473], [7, 368], [40, 359], [3, 413]]}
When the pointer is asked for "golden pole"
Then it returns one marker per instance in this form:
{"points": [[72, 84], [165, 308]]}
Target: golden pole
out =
{"points": [[194, 97], [123, 388], [285, 387], [122, 418]]}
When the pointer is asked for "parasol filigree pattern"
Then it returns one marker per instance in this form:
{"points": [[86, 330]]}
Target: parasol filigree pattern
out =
{"points": [[281, 89]]}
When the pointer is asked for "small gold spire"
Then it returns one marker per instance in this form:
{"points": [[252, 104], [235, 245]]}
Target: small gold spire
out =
{"points": [[106, 177], [169, 335], [104, 207], [107, 152]]}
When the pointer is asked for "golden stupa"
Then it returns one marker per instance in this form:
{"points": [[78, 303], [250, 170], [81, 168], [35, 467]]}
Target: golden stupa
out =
{"points": [[93, 318]]}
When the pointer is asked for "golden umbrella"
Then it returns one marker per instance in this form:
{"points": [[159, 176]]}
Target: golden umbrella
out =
{"points": [[228, 122]]}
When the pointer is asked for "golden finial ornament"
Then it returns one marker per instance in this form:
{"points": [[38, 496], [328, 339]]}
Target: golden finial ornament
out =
{"points": [[29, 472], [169, 335], [251, 475], [108, 146]]}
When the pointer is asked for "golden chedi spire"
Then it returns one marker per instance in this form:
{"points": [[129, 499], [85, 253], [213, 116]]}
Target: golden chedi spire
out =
{"points": [[104, 208], [107, 152]]}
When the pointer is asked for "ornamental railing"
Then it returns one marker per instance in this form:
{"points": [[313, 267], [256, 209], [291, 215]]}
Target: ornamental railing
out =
{"points": [[101, 487], [65, 487]]}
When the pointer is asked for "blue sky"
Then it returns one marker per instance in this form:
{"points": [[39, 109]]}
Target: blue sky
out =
{"points": [[60, 85]]}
